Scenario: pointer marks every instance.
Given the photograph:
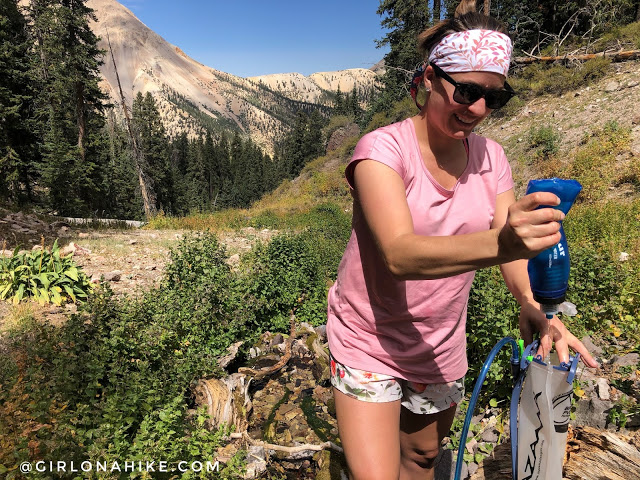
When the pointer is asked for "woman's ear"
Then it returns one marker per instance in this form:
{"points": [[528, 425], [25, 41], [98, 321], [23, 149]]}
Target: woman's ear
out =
{"points": [[429, 75]]}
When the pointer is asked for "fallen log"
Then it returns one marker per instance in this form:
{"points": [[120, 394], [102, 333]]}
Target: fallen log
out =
{"points": [[613, 56], [591, 454], [594, 454], [227, 400]]}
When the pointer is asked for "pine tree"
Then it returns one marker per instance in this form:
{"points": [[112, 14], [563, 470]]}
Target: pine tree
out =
{"points": [[18, 153], [69, 103], [404, 19], [154, 148]]}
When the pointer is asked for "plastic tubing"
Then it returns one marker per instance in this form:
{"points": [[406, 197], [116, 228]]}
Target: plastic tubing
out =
{"points": [[515, 358]]}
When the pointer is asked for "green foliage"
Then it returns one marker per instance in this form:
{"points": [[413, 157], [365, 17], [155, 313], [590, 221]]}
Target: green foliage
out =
{"points": [[287, 278], [492, 315], [44, 276], [404, 20], [595, 165], [543, 140], [538, 79]]}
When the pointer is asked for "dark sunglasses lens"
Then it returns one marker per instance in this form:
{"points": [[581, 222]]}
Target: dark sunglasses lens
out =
{"points": [[497, 99], [467, 93]]}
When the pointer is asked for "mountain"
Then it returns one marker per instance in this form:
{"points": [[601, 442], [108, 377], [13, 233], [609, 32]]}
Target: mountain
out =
{"points": [[191, 95]]}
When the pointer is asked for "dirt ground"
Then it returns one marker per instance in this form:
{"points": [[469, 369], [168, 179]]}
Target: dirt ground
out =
{"points": [[130, 260]]}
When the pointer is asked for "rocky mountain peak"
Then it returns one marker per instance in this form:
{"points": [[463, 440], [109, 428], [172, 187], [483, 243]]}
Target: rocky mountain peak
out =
{"points": [[191, 95]]}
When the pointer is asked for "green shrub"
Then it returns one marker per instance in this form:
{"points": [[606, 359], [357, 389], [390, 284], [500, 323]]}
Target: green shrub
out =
{"points": [[492, 315], [537, 79], [544, 141], [595, 164], [44, 276]]}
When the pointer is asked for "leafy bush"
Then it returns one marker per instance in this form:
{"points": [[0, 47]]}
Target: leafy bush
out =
{"points": [[492, 315], [537, 79], [45, 276], [544, 141], [595, 165]]}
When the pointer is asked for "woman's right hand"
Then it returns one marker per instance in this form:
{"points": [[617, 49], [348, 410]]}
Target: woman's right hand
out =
{"points": [[529, 230]]}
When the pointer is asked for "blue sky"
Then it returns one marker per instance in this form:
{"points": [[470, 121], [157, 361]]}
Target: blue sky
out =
{"points": [[257, 37]]}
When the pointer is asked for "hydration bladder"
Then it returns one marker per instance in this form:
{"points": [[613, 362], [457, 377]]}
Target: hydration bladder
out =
{"points": [[542, 392]]}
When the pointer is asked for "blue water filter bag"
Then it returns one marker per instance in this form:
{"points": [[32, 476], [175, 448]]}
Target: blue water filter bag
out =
{"points": [[549, 270]]}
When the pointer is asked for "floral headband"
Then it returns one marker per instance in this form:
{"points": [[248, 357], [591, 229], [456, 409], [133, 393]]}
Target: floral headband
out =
{"points": [[468, 51]]}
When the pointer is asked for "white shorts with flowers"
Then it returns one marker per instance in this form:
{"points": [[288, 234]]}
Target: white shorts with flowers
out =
{"points": [[419, 398]]}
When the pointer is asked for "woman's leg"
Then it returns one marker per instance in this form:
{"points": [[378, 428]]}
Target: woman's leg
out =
{"points": [[420, 439], [369, 433]]}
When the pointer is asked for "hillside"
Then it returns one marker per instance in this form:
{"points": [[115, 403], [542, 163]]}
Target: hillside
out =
{"points": [[191, 95], [573, 117]]}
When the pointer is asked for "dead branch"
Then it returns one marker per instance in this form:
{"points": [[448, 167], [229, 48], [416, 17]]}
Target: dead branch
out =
{"points": [[257, 374], [281, 448], [148, 196], [614, 57]]}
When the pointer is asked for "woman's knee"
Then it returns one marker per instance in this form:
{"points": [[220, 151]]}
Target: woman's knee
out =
{"points": [[420, 457]]}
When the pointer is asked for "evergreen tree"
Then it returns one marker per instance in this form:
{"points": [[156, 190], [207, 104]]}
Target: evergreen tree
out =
{"points": [[69, 103], [154, 148], [339, 105], [18, 152], [405, 19], [121, 196]]}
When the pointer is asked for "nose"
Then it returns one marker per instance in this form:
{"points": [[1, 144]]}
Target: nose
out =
{"points": [[479, 107]]}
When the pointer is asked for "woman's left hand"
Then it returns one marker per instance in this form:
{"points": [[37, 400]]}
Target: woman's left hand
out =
{"points": [[532, 319]]}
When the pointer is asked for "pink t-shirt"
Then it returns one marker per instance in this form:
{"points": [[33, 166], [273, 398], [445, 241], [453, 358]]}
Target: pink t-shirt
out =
{"points": [[412, 329]]}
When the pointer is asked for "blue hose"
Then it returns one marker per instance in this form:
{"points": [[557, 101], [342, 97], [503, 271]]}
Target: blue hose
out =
{"points": [[515, 363]]}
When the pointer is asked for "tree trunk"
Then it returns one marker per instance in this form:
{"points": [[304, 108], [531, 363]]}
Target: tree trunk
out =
{"points": [[591, 454], [614, 57], [146, 189], [80, 119], [487, 7]]}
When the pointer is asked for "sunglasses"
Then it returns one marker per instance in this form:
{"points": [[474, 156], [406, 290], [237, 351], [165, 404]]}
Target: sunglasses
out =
{"points": [[468, 93]]}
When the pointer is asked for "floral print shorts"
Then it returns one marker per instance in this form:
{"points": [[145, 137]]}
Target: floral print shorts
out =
{"points": [[419, 398]]}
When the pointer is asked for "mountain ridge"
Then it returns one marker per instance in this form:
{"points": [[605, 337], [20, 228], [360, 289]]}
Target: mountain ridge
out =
{"points": [[260, 107]]}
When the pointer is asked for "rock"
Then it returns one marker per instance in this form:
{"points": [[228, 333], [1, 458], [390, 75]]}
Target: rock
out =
{"points": [[256, 462], [321, 331], [473, 468], [233, 260], [490, 436], [113, 276], [592, 412], [612, 86], [276, 340], [472, 446], [446, 465], [591, 347], [341, 135], [623, 257], [227, 452], [625, 360], [603, 389]]}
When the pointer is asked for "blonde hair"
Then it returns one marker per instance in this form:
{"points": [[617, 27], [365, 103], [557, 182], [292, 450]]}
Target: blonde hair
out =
{"points": [[465, 18]]}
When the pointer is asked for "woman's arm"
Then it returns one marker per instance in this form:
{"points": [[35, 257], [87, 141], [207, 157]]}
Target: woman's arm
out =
{"points": [[532, 319], [381, 194]]}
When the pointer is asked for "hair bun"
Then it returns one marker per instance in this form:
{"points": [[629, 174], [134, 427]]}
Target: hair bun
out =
{"points": [[466, 6]]}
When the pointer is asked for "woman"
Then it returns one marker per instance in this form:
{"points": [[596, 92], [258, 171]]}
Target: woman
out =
{"points": [[433, 202]]}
